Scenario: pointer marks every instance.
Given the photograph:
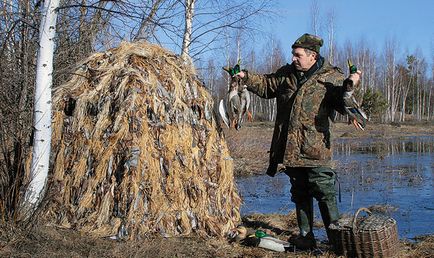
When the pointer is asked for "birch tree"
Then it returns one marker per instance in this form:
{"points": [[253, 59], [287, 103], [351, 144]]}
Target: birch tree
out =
{"points": [[42, 109], [421, 87], [392, 93], [407, 82], [314, 15], [186, 41], [273, 58], [212, 18], [330, 28]]}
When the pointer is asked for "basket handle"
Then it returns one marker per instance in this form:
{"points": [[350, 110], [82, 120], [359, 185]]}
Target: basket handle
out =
{"points": [[354, 225]]}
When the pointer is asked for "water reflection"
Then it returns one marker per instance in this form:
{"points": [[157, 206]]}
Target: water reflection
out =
{"points": [[395, 175], [382, 147]]}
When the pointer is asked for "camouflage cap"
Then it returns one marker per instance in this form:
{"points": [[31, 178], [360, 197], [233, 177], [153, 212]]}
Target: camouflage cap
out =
{"points": [[308, 41]]}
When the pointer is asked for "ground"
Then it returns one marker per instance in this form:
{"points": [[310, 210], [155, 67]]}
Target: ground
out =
{"points": [[49, 241], [246, 145]]}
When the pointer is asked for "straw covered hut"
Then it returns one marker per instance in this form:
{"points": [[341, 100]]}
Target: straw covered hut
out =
{"points": [[136, 149]]}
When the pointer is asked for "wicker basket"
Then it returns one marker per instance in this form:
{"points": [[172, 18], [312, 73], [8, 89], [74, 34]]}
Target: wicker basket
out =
{"points": [[375, 235]]}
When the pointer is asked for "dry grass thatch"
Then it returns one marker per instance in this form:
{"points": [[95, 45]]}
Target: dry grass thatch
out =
{"points": [[136, 149]]}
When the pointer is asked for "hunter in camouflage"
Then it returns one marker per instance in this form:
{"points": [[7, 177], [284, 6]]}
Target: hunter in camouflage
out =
{"points": [[308, 93]]}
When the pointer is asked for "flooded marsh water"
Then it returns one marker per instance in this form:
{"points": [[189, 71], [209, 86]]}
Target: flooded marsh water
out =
{"points": [[391, 175]]}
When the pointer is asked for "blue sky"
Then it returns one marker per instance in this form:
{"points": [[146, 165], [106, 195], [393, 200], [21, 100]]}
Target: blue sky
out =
{"points": [[411, 23]]}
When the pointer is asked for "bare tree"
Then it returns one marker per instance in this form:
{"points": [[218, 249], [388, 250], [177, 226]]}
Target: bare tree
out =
{"points": [[391, 91], [251, 64], [315, 17], [430, 103], [149, 23], [330, 28], [209, 74], [186, 41], [273, 58], [18, 23], [213, 17], [412, 68], [42, 109]]}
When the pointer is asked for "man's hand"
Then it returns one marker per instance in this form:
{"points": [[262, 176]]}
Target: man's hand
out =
{"points": [[355, 77], [241, 74]]}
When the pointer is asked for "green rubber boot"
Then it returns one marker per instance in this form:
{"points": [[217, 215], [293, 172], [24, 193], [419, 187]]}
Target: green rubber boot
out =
{"points": [[306, 239], [322, 181], [304, 211], [306, 242]]}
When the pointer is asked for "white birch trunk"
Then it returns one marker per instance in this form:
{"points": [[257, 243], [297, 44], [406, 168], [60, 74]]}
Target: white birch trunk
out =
{"points": [[42, 109], [228, 64], [331, 35], [314, 13], [186, 41], [428, 102]]}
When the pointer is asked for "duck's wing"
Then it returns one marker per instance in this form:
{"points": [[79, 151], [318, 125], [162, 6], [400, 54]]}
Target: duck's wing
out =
{"points": [[355, 112], [233, 103], [245, 96], [223, 114]]}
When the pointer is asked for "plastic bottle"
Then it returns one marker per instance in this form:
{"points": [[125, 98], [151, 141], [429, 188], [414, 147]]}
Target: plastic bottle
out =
{"points": [[271, 243]]}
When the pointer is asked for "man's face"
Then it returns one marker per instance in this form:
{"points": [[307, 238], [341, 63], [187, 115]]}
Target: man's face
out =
{"points": [[302, 60]]}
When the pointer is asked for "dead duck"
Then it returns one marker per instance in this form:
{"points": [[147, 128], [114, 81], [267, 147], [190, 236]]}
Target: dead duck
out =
{"points": [[234, 107], [355, 113]]}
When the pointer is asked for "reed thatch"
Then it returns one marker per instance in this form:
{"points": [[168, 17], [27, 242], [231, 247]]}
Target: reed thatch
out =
{"points": [[136, 149]]}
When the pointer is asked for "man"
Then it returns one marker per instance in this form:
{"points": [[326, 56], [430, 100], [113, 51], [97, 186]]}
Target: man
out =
{"points": [[307, 92]]}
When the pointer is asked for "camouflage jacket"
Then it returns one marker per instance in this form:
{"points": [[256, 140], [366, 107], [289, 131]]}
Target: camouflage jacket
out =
{"points": [[301, 135]]}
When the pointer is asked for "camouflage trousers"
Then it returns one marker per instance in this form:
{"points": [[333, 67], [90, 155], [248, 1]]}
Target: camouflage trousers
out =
{"points": [[308, 183]]}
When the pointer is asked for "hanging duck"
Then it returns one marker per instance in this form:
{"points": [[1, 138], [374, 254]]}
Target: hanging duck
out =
{"points": [[355, 113], [235, 105]]}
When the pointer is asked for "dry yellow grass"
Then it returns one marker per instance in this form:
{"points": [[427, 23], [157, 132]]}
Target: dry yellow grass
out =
{"points": [[136, 149]]}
